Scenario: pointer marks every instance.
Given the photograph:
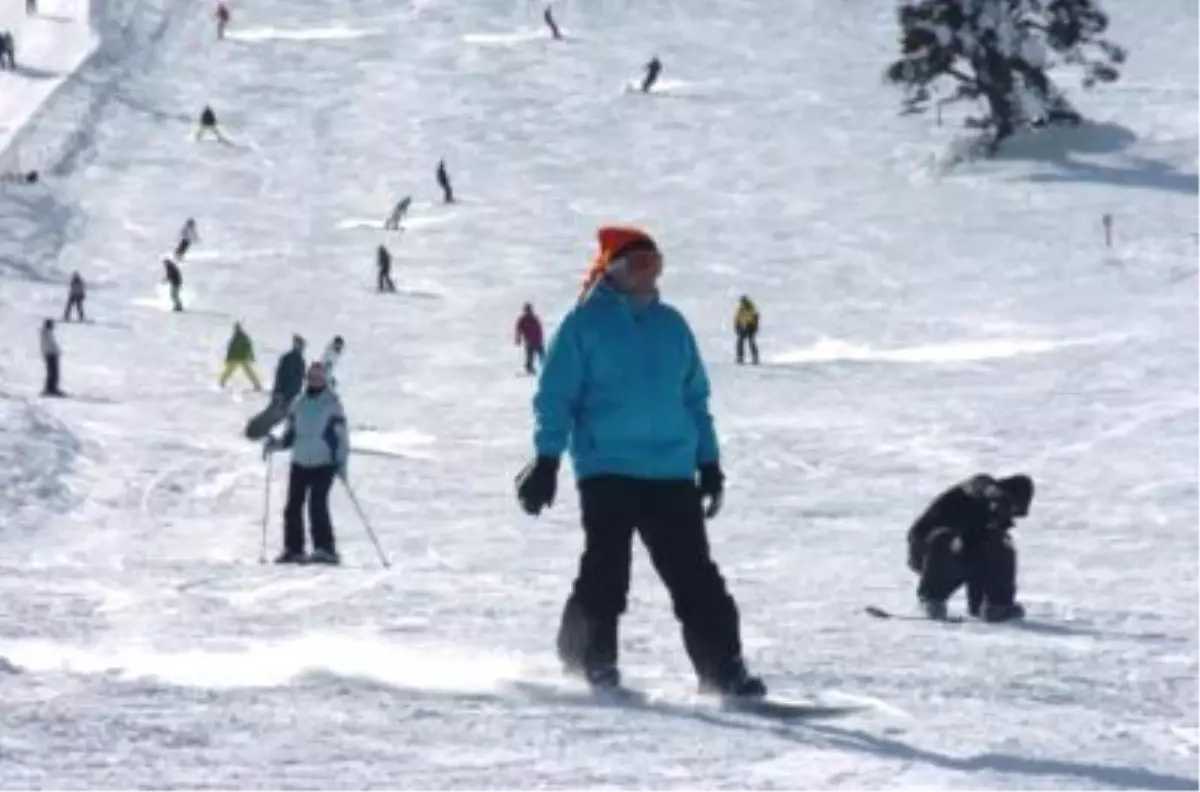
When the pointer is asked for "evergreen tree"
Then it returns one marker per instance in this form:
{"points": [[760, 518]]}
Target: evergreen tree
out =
{"points": [[999, 51]]}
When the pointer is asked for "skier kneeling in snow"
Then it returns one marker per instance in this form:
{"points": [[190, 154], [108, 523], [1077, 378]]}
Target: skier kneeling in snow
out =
{"points": [[320, 443], [625, 383], [963, 538]]}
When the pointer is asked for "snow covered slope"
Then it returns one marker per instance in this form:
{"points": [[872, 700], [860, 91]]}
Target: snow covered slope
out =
{"points": [[922, 321], [51, 45]]}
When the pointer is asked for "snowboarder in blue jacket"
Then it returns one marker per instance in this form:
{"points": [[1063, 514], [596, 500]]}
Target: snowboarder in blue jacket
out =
{"points": [[624, 387]]}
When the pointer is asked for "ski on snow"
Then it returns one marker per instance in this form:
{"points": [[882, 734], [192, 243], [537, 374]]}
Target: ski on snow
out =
{"points": [[772, 707], [881, 613]]}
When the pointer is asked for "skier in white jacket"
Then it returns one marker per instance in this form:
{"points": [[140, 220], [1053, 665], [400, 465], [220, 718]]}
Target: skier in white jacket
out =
{"points": [[320, 444], [330, 358]]}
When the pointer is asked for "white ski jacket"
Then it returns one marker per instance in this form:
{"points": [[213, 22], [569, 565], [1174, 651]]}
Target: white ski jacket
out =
{"points": [[316, 430]]}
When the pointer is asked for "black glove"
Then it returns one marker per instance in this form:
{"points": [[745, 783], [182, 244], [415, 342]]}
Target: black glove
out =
{"points": [[536, 484], [712, 487]]}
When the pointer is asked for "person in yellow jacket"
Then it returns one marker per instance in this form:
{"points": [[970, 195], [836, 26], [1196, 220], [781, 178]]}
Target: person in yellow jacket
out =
{"points": [[745, 324], [240, 354]]}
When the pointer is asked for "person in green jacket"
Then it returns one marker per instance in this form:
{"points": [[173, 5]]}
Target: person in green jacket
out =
{"points": [[240, 354]]}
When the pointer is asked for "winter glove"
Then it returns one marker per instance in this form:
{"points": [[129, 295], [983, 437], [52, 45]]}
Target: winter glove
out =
{"points": [[536, 484], [342, 470], [270, 446], [712, 487]]}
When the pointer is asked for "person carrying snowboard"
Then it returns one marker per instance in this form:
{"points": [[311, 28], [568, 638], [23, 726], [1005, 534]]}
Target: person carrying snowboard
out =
{"points": [[625, 385], [289, 380], [240, 354], [75, 295], [443, 180], [319, 440], [222, 17], [175, 278], [653, 69], [963, 537], [384, 262], [529, 334], [397, 215], [51, 353], [187, 235], [745, 325], [548, 18]]}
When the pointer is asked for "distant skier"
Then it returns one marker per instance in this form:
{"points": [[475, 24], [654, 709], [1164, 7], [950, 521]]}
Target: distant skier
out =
{"points": [[397, 215], [289, 380], [240, 354], [330, 359], [443, 180], [208, 123], [222, 17], [384, 262], [653, 69], [319, 439], [745, 325], [548, 17], [529, 335], [187, 235], [31, 7], [625, 385], [8, 47], [51, 353], [24, 177], [963, 538], [175, 278], [76, 294]]}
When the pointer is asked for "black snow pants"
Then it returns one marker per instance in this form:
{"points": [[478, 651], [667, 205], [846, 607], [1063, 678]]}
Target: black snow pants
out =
{"points": [[76, 302], [51, 388], [744, 338], [987, 565], [669, 517], [533, 353], [385, 281], [313, 484]]}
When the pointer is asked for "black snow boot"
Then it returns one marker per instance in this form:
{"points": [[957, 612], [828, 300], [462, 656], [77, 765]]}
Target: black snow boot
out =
{"points": [[1002, 613], [738, 683], [291, 557]]}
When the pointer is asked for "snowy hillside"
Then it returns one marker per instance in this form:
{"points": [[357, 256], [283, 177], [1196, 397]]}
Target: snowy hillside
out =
{"points": [[921, 321]]}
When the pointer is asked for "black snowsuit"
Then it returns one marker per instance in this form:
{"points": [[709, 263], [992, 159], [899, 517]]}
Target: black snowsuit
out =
{"points": [[75, 297], [175, 278], [669, 517], [385, 270], [443, 180], [962, 538]]}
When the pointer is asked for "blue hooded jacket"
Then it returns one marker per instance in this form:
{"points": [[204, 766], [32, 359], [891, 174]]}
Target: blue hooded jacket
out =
{"points": [[625, 383]]}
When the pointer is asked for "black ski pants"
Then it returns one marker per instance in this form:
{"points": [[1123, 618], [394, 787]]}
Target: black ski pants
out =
{"points": [[51, 375], [385, 281], [669, 516], [986, 564], [74, 301], [311, 484], [746, 338], [533, 353]]}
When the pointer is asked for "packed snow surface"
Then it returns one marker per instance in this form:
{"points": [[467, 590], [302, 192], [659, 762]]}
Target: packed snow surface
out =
{"points": [[924, 318]]}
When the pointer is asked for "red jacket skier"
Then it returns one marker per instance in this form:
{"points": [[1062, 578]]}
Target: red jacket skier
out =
{"points": [[529, 333]]}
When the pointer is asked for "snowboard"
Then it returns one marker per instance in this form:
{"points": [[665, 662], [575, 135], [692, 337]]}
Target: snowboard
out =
{"points": [[261, 424], [771, 707]]}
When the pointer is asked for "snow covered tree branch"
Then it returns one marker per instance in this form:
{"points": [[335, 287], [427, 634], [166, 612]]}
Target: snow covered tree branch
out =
{"points": [[999, 51]]}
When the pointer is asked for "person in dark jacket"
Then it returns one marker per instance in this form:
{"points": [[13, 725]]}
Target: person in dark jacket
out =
{"points": [[175, 278], [51, 353], [320, 443], [963, 537], [75, 296], [653, 69], [529, 334], [398, 214], [8, 46], [289, 374], [208, 124], [745, 325], [548, 18], [443, 180], [624, 384], [384, 262], [187, 236]]}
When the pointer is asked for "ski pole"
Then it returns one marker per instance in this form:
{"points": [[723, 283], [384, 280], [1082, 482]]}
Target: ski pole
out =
{"points": [[366, 524], [262, 553]]}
